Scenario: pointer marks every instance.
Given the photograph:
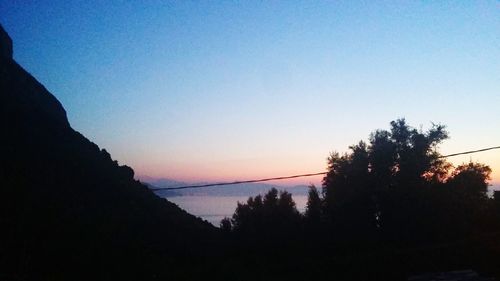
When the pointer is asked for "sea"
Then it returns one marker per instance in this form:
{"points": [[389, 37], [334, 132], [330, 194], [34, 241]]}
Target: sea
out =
{"points": [[214, 208]]}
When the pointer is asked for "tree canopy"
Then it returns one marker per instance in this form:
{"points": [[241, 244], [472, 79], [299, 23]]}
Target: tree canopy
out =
{"points": [[395, 187]]}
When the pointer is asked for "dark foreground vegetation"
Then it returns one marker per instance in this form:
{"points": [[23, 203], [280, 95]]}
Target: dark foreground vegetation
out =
{"points": [[387, 209]]}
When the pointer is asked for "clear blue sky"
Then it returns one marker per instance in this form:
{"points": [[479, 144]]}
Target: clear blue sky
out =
{"points": [[234, 90]]}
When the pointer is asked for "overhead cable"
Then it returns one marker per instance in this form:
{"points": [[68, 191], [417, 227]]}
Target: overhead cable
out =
{"points": [[296, 176]]}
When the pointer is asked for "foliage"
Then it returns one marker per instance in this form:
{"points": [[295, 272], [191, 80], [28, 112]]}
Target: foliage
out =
{"points": [[314, 204], [274, 213], [396, 188]]}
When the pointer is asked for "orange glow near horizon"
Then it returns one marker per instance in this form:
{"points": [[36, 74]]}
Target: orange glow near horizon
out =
{"points": [[211, 167], [249, 172], [229, 176]]}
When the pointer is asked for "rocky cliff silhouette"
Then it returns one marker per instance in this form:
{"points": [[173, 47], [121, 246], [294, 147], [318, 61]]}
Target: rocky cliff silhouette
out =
{"points": [[67, 210]]}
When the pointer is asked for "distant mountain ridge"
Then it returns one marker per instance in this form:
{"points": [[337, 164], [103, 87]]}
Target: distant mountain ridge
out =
{"points": [[247, 189]]}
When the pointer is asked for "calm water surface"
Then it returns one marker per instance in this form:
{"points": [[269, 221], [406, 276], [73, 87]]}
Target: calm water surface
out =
{"points": [[215, 208]]}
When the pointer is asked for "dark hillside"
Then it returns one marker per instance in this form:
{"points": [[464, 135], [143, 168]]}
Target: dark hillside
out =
{"points": [[67, 210]]}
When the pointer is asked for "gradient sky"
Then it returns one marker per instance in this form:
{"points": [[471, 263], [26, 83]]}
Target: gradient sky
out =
{"points": [[236, 90]]}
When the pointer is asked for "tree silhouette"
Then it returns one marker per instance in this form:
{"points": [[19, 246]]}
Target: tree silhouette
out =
{"points": [[270, 215], [396, 188], [471, 179], [381, 187], [226, 225], [313, 207], [467, 201], [394, 192]]}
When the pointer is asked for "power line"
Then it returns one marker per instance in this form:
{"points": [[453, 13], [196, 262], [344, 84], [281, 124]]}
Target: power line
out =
{"points": [[297, 176], [470, 152], [238, 182]]}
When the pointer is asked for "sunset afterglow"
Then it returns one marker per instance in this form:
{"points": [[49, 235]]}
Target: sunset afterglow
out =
{"points": [[201, 92]]}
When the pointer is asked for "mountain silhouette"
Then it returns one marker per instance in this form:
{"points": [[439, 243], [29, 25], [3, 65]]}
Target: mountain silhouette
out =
{"points": [[70, 212], [246, 189]]}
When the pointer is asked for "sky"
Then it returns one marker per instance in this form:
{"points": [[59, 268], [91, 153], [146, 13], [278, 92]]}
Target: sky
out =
{"points": [[232, 90]]}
